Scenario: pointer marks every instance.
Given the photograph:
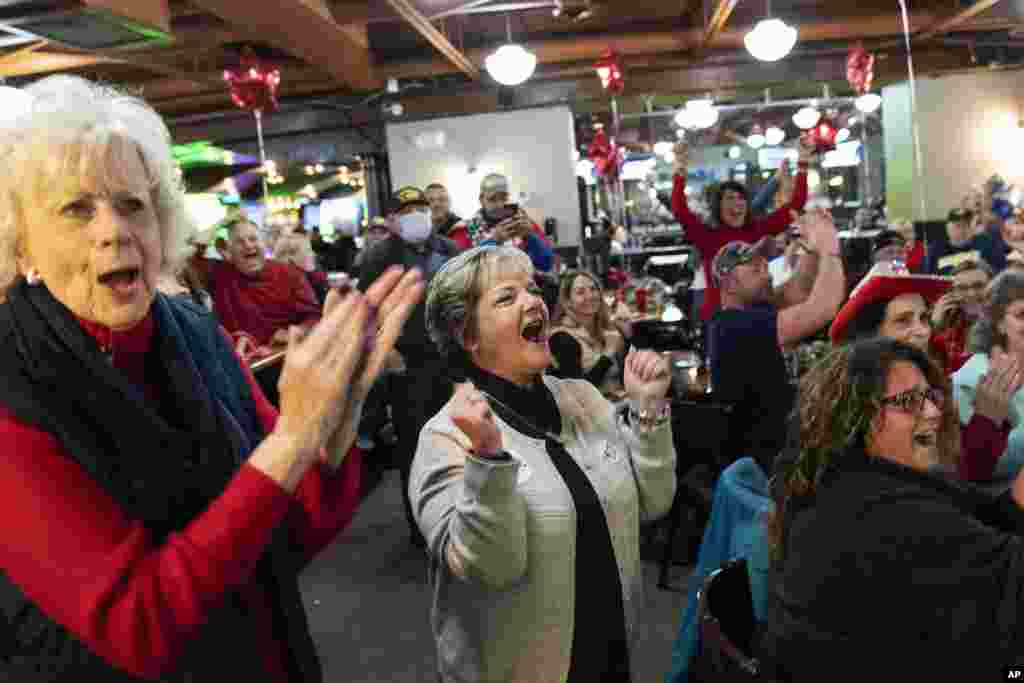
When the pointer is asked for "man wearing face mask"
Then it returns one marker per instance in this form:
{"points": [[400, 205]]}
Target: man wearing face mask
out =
{"points": [[412, 244]]}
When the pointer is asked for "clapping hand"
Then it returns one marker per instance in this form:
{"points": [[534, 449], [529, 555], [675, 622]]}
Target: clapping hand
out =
{"points": [[806, 148], [996, 389], [646, 376], [390, 301], [682, 158]]}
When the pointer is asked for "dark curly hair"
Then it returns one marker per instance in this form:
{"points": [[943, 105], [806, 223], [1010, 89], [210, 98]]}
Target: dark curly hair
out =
{"points": [[719, 193], [838, 402]]}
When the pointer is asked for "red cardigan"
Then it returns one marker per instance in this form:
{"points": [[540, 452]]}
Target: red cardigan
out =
{"points": [[75, 554], [982, 442], [709, 241]]}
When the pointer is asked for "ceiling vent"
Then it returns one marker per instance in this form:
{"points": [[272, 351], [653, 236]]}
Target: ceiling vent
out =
{"points": [[91, 24]]}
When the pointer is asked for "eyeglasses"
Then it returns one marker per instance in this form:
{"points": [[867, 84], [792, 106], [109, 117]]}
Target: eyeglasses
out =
{"points": [[912, 401]]}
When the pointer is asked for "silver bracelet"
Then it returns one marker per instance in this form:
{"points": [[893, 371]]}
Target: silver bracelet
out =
{"points": [[649, 418]]}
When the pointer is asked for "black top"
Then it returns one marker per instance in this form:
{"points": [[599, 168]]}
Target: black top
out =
{"points": [[569, 354], [888, 564], [414, 344], [749, 371], [600, 653]]}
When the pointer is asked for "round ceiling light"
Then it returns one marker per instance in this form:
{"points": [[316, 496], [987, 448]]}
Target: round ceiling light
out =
{"points": [[807, 118], [756, 140], [735, 152], [868, 103], [698, 114], [771, 40], [511, 64], [662, 148], [774, 135]]}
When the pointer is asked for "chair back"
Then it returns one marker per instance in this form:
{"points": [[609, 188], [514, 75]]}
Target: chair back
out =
{"points": [[725, 614]]}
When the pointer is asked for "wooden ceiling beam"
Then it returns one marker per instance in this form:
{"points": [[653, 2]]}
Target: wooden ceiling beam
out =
{"points": [[38, 63], [957, 20], [720, 17], [590, 47], [441, 43], [297, 28]]}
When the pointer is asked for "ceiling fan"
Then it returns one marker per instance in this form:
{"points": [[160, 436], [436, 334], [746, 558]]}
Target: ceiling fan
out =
{"points": [[577, 10]]}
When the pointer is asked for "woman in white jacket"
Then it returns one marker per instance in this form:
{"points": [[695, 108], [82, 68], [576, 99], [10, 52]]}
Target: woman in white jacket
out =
{"points": [[530, 490]]}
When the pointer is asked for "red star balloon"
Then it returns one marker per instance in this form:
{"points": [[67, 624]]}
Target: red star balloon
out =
{"points": [[860, 67], [253, 84], [606, 156], [610, 73], [823, 135]]}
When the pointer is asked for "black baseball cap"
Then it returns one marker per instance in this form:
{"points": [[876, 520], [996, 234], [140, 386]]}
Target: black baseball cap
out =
{"points": [[406, 196]]}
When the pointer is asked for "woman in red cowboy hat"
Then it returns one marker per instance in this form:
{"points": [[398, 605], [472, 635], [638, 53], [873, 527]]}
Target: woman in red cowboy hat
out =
{"points": [[896, 306]]}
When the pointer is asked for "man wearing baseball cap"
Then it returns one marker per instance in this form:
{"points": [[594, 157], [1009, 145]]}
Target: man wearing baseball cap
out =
{"points": [[747, 335], [413, 243], [498, 221]]}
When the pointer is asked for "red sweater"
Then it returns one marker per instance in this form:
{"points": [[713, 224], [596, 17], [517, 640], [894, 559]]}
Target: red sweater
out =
{"points": [[709, 241], [75, 554], [950, 346], [982, 442]]}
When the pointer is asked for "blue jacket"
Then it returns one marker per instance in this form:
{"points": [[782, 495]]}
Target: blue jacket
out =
{"points": [[736, 530], [541, 254]]}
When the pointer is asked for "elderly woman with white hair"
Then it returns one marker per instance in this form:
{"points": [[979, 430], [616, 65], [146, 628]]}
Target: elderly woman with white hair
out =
{"points": [[156, 508], [530, 490]]}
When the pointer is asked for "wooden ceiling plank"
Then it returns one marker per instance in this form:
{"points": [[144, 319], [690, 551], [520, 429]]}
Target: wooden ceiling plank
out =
{"points": [[298, 28], [42, 63], [723, 10], [961, 17], [423, 26], [590, 47]]}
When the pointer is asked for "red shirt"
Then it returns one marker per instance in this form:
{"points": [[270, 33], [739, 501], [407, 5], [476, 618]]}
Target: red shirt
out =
{"points": [[75, 554], [261, 305], [982, 443], [709, 241]]}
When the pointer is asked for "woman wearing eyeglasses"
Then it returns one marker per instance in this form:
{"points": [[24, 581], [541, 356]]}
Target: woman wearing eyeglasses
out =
{"points": [[879, 557], [997, 341]]}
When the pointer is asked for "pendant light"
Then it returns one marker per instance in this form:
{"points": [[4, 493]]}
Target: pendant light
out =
{"points": [[511, 64], [771, 39]]}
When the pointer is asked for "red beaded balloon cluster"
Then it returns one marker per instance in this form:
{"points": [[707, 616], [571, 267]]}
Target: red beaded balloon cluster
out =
{"points": [[860, 69], [253, 84]]}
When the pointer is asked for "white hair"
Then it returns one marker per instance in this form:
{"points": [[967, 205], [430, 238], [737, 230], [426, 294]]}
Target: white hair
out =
{"points": [[73, 128]]}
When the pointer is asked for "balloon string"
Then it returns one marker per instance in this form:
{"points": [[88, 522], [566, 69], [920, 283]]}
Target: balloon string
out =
{"points": [[918, 162], [263, 155]]}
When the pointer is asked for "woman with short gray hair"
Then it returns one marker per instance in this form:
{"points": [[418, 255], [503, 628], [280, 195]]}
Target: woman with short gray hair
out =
{"points": [[530, 490]]}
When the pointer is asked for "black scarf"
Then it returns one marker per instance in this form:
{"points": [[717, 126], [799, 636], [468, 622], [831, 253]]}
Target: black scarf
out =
{"points": [[600, 652], [163, 463]]}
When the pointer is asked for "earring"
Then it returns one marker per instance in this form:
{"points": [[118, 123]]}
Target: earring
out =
{"points": [[33, 277]]}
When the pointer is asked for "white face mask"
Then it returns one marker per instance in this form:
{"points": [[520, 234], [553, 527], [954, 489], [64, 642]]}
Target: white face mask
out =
{"points": [[415, 227]]}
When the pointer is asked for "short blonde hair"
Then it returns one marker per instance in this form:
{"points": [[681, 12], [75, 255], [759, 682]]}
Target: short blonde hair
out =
{"points": [[73, 128], [456, 290]]}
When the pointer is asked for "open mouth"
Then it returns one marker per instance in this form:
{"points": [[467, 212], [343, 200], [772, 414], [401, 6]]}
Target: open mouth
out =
{"points": [[121, 279], [926, 439], [535, 331]]}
